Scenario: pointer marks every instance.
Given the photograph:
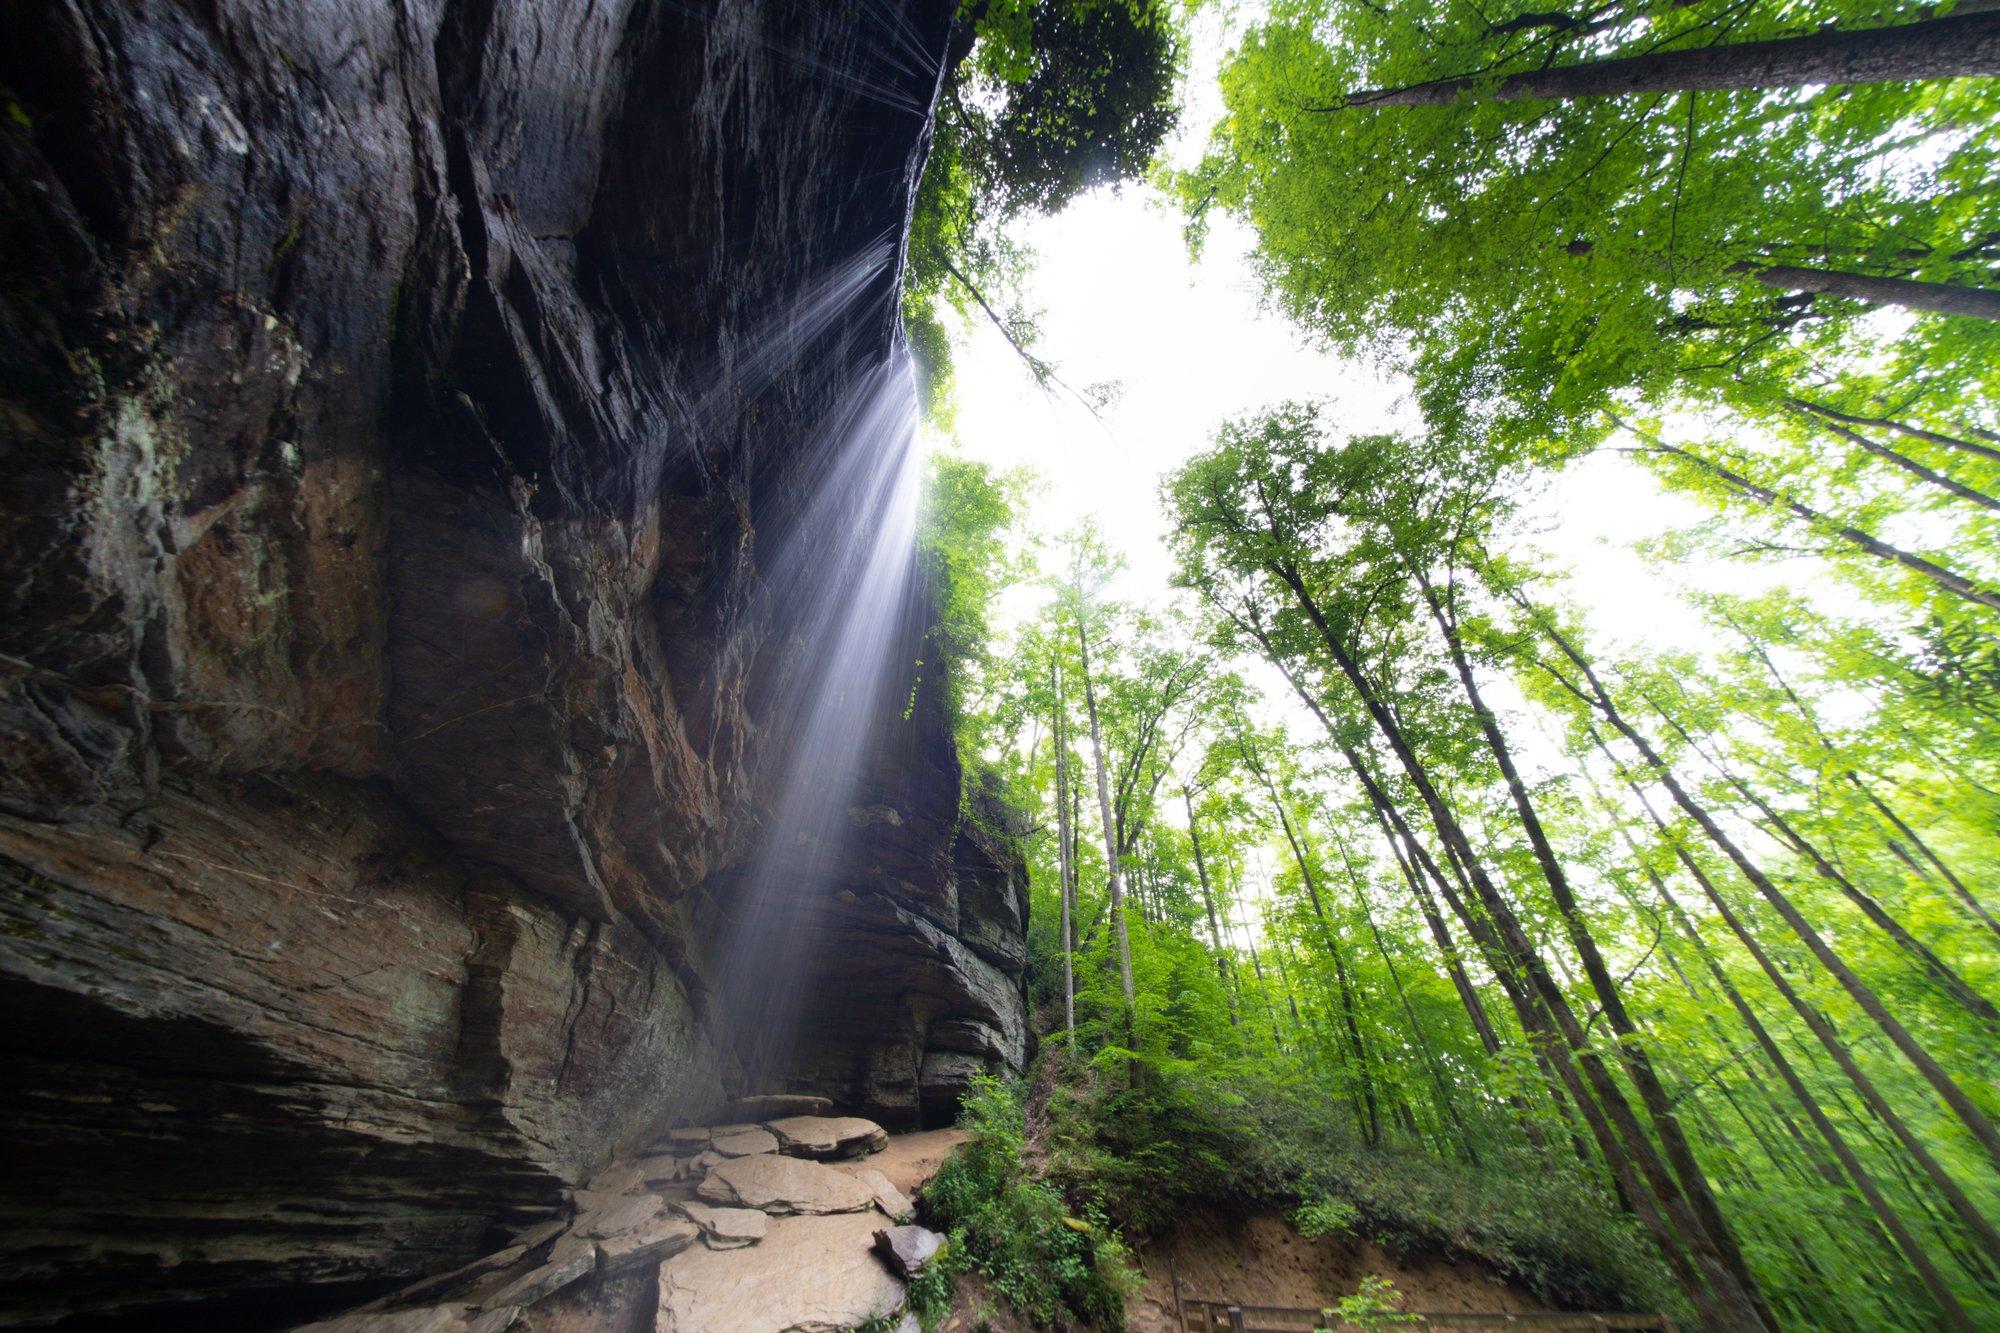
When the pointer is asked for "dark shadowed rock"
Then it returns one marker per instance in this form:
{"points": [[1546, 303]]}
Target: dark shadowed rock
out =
{"points": [[396, 459]]}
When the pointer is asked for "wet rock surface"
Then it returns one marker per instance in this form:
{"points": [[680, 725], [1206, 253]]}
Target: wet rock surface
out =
{"points": [[396, 455]]}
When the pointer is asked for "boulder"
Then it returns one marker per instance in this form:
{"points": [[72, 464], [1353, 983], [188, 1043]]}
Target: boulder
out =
{"points": [[811, 1273], [745, 1143], [727, 1228], [828, 1136], [661, 1238], [907, 1249], [785, 1185]]}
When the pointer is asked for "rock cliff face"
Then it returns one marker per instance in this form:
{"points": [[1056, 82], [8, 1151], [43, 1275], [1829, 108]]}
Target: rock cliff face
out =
{"points": [[398, 404]]}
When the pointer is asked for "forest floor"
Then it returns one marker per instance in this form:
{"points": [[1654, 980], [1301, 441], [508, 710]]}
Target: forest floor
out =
{"points": [[1261, 1260]]}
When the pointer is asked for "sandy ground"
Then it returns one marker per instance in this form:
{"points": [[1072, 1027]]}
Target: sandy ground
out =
{"points": [[912, 1159], [1260, 1260]]}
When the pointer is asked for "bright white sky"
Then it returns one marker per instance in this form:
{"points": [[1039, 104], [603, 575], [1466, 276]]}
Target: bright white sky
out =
{"points": [[1122, 300]]}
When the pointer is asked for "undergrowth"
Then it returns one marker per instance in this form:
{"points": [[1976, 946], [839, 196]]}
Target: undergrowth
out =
{"points": [[1017, 1229], [1122, 1157]]}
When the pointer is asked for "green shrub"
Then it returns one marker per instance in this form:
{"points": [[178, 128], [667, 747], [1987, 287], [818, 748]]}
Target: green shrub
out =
{"points": [[1018, 1231]]}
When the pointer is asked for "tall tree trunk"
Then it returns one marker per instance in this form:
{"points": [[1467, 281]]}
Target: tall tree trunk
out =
{"points": [[1638, 1064], [1066, 870], [1781, 828], [1447, 1104], [1977, 908], [1962, 46], [1974, 1120], [1913, 1250], [1952, 582], [1208, 906], [1121, 938]]}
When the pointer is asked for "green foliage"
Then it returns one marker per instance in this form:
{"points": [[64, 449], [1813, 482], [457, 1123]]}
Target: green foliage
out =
{"points": [[1375, 1304], [968, 517], [1054, 98], [1324, 1216], [1017, 1230]]}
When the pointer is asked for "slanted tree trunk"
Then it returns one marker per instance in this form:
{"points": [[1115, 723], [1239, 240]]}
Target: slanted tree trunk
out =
{"points": [[1937, 298], [1371, 1122], [1651, 1188], [1976, 1224], [1972, 447], [1920, 471], [1961, 46], [1596, 697], [1638, 1063], [1952, 582]]}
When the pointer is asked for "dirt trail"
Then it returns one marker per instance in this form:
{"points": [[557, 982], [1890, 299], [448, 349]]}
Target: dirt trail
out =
{"points": [[1260, 1260], [912, 1159]]}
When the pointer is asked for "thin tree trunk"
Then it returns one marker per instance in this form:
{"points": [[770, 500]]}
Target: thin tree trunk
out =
{"points": [[1913, 1250], [1961, 46], [1940, 971], [1937, 298], [1910, 465], [1975, 1121], [1956, 584], [1208, 906], [1975, 1222], [1371, 1125], [1066, 869], [1120, 936], [1972, 447], [1446, 1103], [1965, 895]]}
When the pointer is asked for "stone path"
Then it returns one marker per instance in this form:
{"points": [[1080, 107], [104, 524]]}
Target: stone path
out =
{"points": [[782, 1224]]}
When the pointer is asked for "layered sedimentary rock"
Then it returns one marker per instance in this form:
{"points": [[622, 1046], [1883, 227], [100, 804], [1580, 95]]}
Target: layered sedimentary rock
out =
{"points": [[398, 402]]}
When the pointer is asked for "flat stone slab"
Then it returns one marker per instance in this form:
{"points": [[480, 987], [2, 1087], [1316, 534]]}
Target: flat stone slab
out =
{"points": [[628, 1212], [541, 1283], [429, 1319], [442, 1283], [895, 1205], [662, 1238], [745, 1143], [785, 1185], [620, 1179], [770, 1106], [661, 1169], [828, 1136], [727, 1228], [811, 1275]]}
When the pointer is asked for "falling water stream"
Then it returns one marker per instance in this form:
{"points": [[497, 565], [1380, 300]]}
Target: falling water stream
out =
{"points": [[838, 589]]}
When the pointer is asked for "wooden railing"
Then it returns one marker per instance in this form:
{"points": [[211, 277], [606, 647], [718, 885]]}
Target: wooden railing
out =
{"points": [[1203, 1316]]}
